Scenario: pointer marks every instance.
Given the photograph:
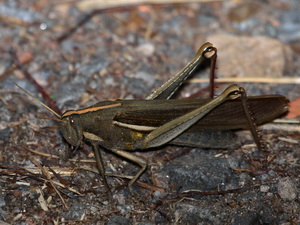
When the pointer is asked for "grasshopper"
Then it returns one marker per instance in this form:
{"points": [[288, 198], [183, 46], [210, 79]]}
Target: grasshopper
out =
{"points": [[123, 126]]}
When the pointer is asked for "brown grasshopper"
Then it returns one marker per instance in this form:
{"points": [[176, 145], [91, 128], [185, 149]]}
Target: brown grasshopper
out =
{"points": [[123, 126]]}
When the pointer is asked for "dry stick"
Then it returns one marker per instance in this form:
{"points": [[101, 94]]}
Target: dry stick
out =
{"points": [[7, 72], [16, 123], [140, 183], [277, 80], [57, 175], [57, 157], [150, 26], [49, 179], [112, 7], [178, 197], [92, 4], [49, 100], [33, 173], [194, 193], [63, 171], [12, 67], [19, 170], [87, 17], [63, 186]]}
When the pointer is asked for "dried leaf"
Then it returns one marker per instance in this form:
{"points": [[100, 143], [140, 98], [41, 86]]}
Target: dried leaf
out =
{"points": [[294, 110]]}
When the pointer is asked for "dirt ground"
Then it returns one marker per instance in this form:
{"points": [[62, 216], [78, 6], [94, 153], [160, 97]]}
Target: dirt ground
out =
{"points": [[73, 54]]}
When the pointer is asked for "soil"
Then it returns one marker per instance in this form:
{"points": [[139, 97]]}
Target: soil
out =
{"points": [[71, 57]]}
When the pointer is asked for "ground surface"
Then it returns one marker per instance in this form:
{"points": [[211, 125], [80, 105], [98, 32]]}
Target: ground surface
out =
{"points": [[125, 53]]}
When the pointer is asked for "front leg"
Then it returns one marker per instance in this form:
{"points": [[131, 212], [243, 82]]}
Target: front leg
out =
{"points": [[206, 51], [99, 162], [100, 165]]}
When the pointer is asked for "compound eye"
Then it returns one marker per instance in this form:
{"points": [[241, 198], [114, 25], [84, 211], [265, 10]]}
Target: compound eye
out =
{"points": [[71, 121]]}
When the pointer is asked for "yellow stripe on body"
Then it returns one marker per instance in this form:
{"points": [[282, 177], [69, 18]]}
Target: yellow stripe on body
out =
{"points": [[87, 110]]}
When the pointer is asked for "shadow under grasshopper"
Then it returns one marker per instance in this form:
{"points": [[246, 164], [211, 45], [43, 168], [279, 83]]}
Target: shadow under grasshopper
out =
{"points": [[127, 125]]}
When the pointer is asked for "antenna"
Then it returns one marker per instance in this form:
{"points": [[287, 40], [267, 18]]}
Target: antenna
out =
{"points": [[43, 104]]}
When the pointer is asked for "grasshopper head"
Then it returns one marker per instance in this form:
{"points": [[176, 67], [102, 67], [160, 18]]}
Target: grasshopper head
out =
{"points": [[70, 123], [71, 129]]}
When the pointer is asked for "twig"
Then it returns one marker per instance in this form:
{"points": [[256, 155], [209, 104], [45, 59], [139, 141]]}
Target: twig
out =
{"points": [[49, 179], [34, 173], [86, 18], [48, 99], [92, 4], [140, 183], [15, 123], [290, 128], [194, 193], [277, 80], [96, 7], [25, 59], [65, 171], [63, 186], [57, 157]]}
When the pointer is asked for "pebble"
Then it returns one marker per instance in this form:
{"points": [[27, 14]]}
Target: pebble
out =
{"points": [[264, 188], [233, 50], [263, 177], [287, 189]]}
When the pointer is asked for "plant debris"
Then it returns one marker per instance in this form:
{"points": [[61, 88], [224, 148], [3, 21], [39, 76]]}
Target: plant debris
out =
{"points": [[76, 53]]}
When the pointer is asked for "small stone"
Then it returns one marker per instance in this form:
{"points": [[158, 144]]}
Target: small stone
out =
{"points": [[287, 189], [2, 202], [158, 194], [118, 220], [195, 171], [146, 49], [264, 188], [263, 177], [272, 173], [233, 163], [240, 56]]}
